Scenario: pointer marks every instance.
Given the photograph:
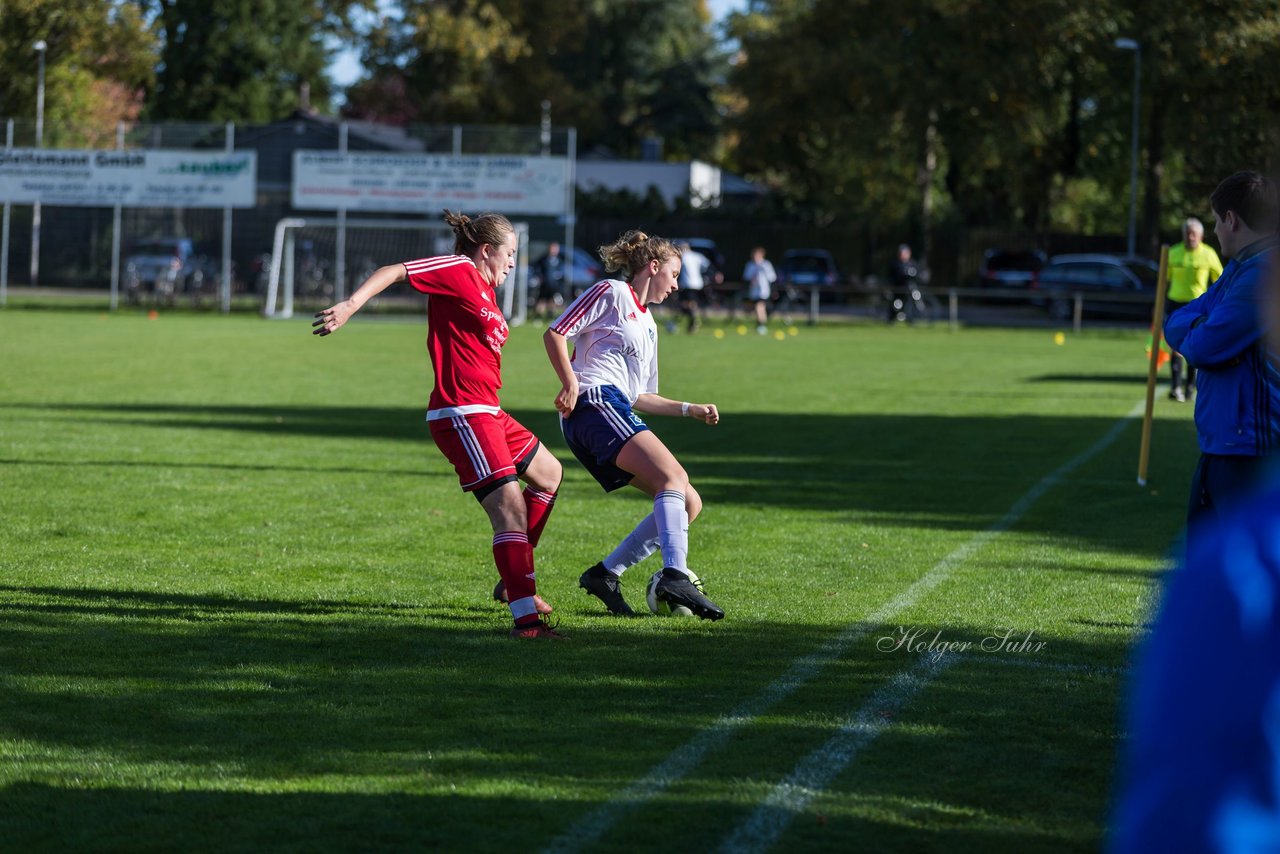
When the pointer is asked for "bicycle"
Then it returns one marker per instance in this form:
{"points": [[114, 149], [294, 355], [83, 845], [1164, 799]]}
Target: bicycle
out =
{"points": [[912, 305]]}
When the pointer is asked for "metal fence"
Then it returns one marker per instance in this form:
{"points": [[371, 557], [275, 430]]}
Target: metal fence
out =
{"points": [[52, 246], [74, 247]]}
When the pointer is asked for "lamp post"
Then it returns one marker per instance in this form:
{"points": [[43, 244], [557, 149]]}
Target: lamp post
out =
{"points": [[40, 48], [1131, 44], [546, 128]]}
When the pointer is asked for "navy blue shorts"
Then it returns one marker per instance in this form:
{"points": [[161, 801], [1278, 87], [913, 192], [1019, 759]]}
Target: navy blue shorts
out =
{"points": [[600, 424]]}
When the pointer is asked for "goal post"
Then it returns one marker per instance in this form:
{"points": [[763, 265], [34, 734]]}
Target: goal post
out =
{"points": [[304, 260]]}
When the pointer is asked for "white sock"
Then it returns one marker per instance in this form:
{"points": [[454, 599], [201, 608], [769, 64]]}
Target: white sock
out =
{"points": [[673, 528], [635, 547]]}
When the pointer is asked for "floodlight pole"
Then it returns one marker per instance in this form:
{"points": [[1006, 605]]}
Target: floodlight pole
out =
{"points": [[1133, 45], [40, 48]]}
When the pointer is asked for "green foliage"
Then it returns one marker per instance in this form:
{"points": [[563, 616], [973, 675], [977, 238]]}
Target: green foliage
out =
{"points": [[244, 60], [99, 60], [1026, 97], [619, 72]]}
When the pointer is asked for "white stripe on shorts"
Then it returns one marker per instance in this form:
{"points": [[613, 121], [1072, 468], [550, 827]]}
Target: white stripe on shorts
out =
{"points": [[616, 421], [472, 446]]}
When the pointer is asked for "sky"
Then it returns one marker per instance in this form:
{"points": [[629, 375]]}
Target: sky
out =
{"points": [[345, 69]]}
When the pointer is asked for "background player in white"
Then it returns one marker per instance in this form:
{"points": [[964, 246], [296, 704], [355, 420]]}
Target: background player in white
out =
{"points": [[489, 449], [614, 370]]}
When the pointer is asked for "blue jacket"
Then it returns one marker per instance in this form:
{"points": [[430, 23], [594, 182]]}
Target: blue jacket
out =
{"points": [[1201, 769], [1223, 333]]}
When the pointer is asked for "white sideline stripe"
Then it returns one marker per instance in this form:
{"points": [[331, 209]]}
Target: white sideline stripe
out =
{"points": [[812, 774], [590, 828], [761, 830]]}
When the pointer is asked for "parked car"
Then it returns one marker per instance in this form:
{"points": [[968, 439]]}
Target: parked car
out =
{"points": [[808, 267], [585, 270], [166, 267], [1003, 268], [1098, 275]]}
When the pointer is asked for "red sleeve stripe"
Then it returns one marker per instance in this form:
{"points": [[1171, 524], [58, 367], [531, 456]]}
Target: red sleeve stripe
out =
{"points": [[426, 265], [585, 302]]}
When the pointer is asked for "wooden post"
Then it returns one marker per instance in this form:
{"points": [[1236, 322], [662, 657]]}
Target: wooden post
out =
{"points": [[1153, 366]]}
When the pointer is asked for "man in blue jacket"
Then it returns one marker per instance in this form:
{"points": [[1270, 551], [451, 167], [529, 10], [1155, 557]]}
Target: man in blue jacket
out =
{"points": [[1223, 334]]}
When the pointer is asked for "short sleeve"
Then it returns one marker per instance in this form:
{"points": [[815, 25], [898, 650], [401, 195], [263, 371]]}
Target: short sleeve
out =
{"points": [[439, 276], [585, 311]]}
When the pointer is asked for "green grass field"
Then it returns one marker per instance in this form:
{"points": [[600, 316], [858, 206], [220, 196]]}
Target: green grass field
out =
{"points": [[243, 604]]}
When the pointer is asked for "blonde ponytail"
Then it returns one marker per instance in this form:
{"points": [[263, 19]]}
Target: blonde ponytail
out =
{"points": [[630, 252]]}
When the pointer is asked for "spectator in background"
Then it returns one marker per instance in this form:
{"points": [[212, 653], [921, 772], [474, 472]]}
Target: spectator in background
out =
{"points": [[1220, 333], [759, 276], [903, 272], [1193, 266], [694, 269], [551, 273]]}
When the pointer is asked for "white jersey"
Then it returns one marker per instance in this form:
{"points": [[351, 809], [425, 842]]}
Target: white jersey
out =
{"points": [[615, 339], [691, 267]]}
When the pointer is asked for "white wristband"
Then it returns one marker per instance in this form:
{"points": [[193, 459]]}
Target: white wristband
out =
{"points": [[684, 409]]}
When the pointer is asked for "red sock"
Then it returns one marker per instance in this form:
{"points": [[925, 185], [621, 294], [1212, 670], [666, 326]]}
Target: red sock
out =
{"points": [[538, 506], [514, 557]]}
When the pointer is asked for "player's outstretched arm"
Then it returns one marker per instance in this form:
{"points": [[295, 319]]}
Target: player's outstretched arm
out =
{"points": [[656, 404], [332, 318]]}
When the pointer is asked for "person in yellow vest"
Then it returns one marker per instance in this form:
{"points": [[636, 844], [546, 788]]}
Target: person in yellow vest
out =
{"points": [[1193, 266]]}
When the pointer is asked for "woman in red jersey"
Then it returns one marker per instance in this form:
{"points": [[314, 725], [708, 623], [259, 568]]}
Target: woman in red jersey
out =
{"points": [[489, 449]]}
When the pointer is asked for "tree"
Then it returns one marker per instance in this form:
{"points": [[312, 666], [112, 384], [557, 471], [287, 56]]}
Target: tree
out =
{"points": [[98, 61], [244, 60], [1008, 114], [619, 72]]}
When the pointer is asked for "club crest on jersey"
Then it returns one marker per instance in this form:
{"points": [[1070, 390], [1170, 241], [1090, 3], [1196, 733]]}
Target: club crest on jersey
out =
{"points": [[652, 335]]}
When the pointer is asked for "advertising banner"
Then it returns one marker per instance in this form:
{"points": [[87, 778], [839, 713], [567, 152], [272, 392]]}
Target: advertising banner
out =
{"points": [[425, 183], [135, 179]]}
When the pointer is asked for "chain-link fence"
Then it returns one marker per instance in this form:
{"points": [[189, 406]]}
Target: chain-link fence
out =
{"points": [[59, 246]]}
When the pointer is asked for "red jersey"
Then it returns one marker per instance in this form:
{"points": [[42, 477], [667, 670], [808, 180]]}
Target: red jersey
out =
{"points": [[465, 334]]}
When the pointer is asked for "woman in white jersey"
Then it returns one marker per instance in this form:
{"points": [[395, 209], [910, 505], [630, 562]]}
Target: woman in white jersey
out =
{"points": [[612, 375]]}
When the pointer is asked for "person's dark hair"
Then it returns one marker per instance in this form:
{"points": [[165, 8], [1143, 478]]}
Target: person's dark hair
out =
{"points": [[470, 234], [1253, 198], [633, 250]]}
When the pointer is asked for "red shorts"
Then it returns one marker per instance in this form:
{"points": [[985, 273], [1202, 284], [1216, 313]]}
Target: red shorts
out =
{"points": [[486, 450]]}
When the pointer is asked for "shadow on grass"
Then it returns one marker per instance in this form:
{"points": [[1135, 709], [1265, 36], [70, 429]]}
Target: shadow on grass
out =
{"points": [[956, 472], [1136, 378], [236, 467], [412, 727]]}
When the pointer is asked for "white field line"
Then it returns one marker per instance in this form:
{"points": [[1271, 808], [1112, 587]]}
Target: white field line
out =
{"points": [[585, 832], [812, 774], [762, 829]]}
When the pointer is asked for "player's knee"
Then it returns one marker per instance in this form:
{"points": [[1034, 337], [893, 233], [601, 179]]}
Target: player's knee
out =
{"points": [[675, 478], [692, 502], [506, 509], [555, 473]]}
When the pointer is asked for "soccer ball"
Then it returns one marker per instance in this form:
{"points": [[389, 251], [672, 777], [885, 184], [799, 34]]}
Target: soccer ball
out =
{"points": [[659, 607]]}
